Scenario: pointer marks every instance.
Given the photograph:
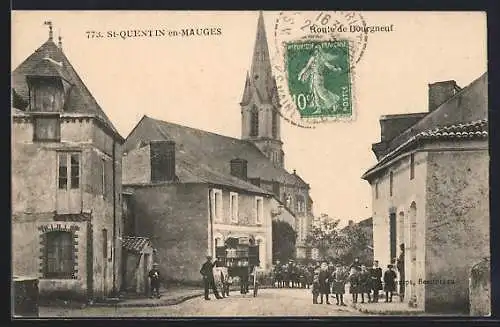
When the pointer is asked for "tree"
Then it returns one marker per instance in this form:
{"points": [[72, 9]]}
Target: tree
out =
{"points": [[325, 237], [339, 245], [284, 239], [355, 245]]}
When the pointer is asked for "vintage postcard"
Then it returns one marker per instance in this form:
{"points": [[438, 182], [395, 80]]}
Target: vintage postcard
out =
{"points": [[249, 163]]}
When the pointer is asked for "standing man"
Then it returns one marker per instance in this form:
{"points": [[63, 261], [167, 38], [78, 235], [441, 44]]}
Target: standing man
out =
{"points": [[154, 278], [376, 280], [208, 278], [401, 270]]}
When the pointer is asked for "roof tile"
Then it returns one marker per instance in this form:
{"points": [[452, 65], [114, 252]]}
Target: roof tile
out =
{"points": [[135, 244]]}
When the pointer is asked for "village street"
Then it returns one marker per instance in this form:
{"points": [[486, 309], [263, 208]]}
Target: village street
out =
{"points": [[269, 302]]}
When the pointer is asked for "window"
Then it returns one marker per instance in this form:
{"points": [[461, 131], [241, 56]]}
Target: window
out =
{"points": [[103, 178], [276, 188], [300, 203], [47, 128], [392, 236], [59, 257], [69, 164], [376, 190], [254, 122], [217, 205], [274, 125], [233, 206], [259, 210], [412, 166], [391, 183], [105, 243]]}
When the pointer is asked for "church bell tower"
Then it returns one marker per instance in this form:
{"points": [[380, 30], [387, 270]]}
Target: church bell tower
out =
{"points": [[260, 114]]}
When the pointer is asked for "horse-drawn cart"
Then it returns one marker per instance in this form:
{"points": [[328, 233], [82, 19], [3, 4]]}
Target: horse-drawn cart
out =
{"points": [[241, 257]]}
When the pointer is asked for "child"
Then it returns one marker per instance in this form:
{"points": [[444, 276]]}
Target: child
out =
{"points": [[154, 277], [389, 283], [315, 289], [338, 284], [365, 284], [354, 284]]}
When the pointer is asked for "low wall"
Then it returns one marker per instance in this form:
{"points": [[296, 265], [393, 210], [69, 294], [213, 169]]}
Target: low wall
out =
{"points": [[480, 289]]}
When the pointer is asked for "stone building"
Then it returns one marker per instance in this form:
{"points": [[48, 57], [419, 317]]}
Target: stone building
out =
{"points": [[430, 192], [66, 180], [187, 208]]}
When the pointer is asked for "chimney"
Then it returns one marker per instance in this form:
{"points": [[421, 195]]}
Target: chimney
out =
{"points": [[162, 157], [440, 92], [351, 223], [393, 125], [239, 168]]}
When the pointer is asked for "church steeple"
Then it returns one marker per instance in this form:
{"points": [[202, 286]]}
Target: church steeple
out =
{"points": [[259, 105], [260, 73]]}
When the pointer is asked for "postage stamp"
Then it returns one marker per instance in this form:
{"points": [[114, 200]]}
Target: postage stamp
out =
{"points": [[316, 56], [319, 78]]}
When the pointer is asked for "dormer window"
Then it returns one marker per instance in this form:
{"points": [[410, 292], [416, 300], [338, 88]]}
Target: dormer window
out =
{"points": [[48, 83]]}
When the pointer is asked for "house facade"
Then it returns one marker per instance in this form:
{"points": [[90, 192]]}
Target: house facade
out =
{"points": [[430, 193], [188, 209], [66, 180]]}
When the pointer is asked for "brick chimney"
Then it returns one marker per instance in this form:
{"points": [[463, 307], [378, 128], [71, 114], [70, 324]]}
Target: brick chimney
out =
{"points": [[440, 92], [239, 168], [393, 125], [162, 156]]}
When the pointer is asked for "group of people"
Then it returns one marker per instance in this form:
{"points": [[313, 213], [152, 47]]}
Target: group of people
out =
{"points": [[329, 279], [293, 275]]}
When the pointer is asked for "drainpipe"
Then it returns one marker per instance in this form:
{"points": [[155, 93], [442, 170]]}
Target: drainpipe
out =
{"points": [[210, 192], [114, 217]]}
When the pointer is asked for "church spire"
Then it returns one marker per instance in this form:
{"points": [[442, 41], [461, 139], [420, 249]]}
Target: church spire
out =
{"points": [[261, 74]]}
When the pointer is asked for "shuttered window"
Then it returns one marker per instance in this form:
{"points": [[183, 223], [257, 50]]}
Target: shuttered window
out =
{"points": [[59, 255]]}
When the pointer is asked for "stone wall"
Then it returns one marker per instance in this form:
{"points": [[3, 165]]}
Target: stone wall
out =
{"points": [[457, 223], [480, 289], [175, 218]]}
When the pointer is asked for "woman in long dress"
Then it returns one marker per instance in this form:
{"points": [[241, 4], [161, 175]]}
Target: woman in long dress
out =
{"points": [[313, 73]]}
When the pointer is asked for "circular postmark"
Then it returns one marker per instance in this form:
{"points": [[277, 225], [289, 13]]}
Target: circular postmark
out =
{"points": [[316, 53]]}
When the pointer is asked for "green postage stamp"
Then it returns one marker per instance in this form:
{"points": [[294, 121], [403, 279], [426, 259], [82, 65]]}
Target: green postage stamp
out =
{"points": [[319, 78]]}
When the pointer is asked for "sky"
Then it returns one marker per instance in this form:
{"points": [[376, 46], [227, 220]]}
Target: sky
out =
{"points": [[198, 81]]}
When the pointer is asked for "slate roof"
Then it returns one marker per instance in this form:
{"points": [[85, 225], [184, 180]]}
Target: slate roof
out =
{"points": [[135, 244], [464, 116], [211, 152], [79, 99]]}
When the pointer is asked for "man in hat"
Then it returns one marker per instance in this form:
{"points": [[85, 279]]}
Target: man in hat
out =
{"points": [[208, 278], [154, 277]]}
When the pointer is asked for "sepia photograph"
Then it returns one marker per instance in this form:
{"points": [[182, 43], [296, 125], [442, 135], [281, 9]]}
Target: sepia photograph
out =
{"points": [[249, 164]]}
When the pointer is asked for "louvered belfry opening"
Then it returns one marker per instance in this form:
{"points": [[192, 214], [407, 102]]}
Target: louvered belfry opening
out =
{"points": [[239, 168], [162, 161]]}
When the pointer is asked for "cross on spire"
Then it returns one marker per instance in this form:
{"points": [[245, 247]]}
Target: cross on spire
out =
{"points": [[49, 23]]}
